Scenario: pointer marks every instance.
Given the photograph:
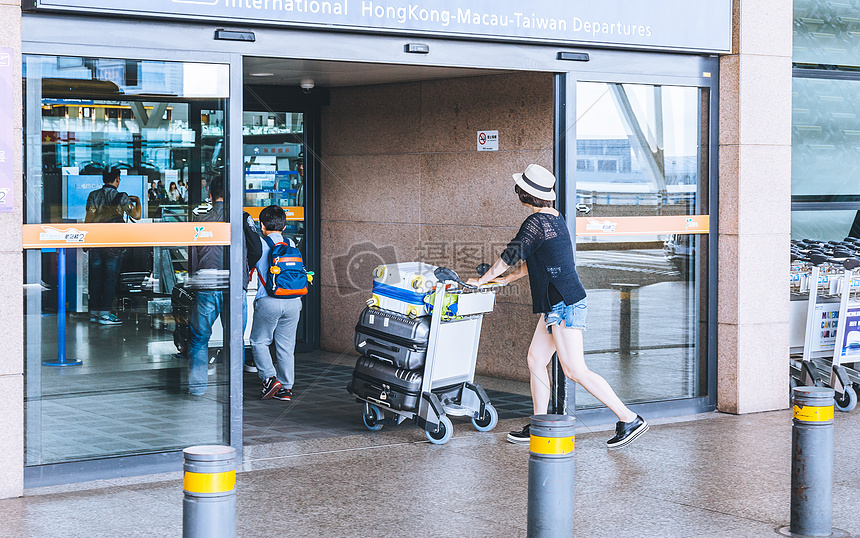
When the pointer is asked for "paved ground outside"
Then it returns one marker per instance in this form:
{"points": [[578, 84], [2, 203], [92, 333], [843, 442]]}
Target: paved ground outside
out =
{"points": [[712, 475]]}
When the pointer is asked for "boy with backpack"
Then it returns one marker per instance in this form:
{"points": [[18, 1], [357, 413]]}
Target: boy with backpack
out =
{"points": [[277, 306]]}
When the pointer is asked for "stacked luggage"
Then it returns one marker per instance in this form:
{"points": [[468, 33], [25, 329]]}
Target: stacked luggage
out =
{"points": [[397, 378], [394, 349]]}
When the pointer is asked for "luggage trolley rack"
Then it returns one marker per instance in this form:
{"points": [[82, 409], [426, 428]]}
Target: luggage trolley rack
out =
{"points": [[825, 272], [447, 384]]}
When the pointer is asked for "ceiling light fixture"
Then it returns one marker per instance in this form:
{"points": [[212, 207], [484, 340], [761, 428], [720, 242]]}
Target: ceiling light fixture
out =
{"points": [[262, 74]]}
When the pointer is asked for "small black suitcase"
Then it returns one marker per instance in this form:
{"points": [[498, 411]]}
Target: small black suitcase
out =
{"points": [[393, 337], [398, 388]]}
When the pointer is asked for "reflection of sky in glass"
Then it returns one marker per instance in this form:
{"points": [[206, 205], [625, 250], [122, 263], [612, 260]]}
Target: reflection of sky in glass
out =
{"points": [[599, 117]]}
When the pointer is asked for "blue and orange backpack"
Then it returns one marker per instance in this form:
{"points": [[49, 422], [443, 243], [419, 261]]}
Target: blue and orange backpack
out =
{"points": [[287, 277]]}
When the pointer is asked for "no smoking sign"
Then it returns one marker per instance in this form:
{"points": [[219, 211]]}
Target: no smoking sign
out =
{"points": [[488, 140]]}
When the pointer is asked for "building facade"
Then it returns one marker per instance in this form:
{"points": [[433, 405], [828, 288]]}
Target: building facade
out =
{"points": [[389, 133]]}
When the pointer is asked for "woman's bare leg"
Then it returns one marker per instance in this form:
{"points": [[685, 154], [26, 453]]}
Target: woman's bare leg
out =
{"points": [[540, 353], [568, 341]]}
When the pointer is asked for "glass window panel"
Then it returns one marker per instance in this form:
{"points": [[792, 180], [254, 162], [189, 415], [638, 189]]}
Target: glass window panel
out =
{"points": [[822, 225], [826, 32], [638, 149], [121, 149], [825, 136], [641, 152]]}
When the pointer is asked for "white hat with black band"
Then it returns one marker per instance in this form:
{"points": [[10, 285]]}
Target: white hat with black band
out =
{"points": [[537, 181]]}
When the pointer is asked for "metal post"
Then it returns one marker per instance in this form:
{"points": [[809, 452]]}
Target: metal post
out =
{"points": [[551, 476], [628, 318], [812, 463], [209, 507], [61, 314]]}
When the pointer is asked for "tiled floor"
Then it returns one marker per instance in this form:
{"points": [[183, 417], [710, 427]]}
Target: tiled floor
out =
{"points": [[322, 408]]}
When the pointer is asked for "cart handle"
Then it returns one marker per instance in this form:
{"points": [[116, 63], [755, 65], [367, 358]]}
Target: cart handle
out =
{"points": [[445, 274]]}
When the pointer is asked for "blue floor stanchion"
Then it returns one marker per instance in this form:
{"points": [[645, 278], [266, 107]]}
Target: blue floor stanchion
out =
{"points": [[61, 314]]}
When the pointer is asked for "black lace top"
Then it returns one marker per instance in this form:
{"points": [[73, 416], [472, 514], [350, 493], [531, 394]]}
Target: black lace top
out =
{"points": [[544, 243]]}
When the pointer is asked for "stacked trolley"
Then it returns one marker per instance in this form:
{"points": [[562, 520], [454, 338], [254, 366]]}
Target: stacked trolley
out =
{"points": [[825, 317], [419, 363]]}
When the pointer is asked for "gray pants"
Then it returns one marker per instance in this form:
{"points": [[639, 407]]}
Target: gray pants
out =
{"points": [[275, 319]]}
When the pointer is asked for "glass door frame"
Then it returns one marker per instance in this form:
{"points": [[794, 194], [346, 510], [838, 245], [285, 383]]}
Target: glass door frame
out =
{"points": [[167, 461], [704, 76], [292, 100]]}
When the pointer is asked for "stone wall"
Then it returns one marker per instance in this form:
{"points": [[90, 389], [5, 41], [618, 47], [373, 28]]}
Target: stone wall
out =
{"points": [[401, 179], [11, 267]]}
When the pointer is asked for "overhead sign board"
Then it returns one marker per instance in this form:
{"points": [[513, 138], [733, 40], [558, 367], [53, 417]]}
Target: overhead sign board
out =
{"points": [[646, 24]]}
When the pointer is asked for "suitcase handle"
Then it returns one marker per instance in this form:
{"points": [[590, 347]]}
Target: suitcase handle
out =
{"points": [[383, 345]]}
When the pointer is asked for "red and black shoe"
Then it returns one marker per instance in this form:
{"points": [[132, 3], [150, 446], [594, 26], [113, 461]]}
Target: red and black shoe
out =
{"points": [[284, 395], [270, 387]]}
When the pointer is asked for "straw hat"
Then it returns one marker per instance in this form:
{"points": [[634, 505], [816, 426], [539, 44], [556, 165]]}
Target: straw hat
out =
{"points": [[537, 181]]}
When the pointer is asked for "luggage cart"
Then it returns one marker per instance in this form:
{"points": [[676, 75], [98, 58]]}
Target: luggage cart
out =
{"points": [[451, 354], [825, 272]]}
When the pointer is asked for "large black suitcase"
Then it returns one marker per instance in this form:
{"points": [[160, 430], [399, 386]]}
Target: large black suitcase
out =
{"points": [[393, 337], [398, 388]]}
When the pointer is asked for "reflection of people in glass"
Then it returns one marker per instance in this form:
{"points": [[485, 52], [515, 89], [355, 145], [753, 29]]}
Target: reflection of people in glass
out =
{"points": [[183, 190], [107, 205], [300, 195], [173, 193], [156, 192], [544, 243], [208, 303]]}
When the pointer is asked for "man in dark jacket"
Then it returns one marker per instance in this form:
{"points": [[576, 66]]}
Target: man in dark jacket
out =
{"points": [[107, 205]]}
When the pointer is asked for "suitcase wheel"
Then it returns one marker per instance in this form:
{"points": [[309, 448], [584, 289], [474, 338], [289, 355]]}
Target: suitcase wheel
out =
{"points": [[373, 301], [418, 282], [443, 434], [373, 420], [413, 311], [380, 271]]}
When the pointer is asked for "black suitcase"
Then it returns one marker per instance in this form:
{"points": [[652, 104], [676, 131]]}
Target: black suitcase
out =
{"points": [[393, 337], [398, 388]]}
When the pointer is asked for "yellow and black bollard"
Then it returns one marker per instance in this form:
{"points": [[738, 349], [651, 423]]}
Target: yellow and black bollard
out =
{"points": [[209, 507], [551, 476]]}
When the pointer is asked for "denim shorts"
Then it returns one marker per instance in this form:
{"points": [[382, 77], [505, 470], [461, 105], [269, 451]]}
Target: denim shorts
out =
{"points": [[573, 316]]}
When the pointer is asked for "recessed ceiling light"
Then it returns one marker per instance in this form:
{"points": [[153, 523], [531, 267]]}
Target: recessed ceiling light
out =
{"points": [[262, 74]]}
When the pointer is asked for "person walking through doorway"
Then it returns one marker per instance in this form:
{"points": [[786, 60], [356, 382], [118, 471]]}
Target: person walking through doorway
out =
{"points": [[544, 242], [275, 318]]}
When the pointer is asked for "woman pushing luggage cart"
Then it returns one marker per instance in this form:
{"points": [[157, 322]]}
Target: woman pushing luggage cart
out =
{"points": [[544, 244]]}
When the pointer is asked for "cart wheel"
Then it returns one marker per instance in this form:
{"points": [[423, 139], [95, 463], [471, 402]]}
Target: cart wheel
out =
{"points": [[443, 434], [847, 400], [373, 421], [488, 421]]}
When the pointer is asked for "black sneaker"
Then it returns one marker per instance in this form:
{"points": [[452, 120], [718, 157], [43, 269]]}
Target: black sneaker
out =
{"points": [[522, 436], [284, 395], [270, 387], [625, 432]]}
